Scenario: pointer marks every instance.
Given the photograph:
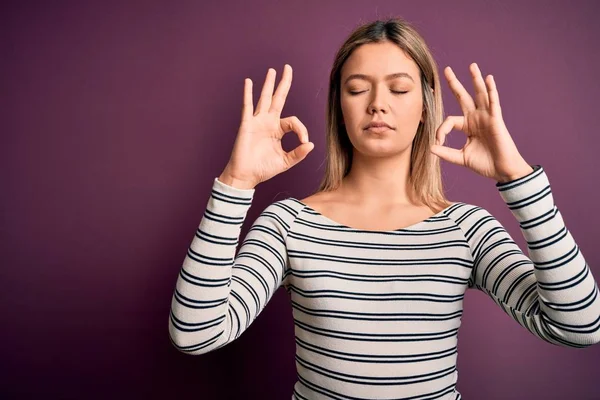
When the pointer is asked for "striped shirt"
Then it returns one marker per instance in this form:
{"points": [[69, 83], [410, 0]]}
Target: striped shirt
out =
{"points": [[377, 313]]}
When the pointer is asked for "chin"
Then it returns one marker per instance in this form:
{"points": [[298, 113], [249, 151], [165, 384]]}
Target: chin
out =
{"points": [[381, 148]]}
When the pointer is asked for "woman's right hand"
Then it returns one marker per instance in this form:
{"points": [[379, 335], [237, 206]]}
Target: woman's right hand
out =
{"points": [[257, 153]]}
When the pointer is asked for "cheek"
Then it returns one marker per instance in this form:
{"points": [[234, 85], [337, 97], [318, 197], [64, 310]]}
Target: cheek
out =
{"points": [[409, 105], [350, 111]]}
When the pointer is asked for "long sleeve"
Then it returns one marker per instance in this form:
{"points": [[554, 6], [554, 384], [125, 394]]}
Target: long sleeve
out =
{"points": [[553, 293], [218, 294]]}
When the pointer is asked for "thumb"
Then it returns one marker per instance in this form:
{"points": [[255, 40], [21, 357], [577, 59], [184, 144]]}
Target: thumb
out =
{"points": [[299, 153], [448, 154]]}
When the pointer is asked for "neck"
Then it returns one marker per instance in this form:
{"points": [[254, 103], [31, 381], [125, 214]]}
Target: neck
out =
{"points": [[377, 181]]}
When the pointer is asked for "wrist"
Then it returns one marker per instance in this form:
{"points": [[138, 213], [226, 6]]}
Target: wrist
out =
{"points": [[230, 180], [517, 174]]}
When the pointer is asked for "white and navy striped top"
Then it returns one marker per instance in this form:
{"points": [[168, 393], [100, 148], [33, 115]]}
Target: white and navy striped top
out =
{"points": [[377, 313]]}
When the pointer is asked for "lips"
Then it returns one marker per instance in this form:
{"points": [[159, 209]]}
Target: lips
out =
{"points": [[378, 129], [378, 125]]}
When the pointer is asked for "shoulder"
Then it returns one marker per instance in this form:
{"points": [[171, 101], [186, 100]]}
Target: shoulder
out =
{"points": [[462, 212], [474, 221], [319, 200], [283, 212]]}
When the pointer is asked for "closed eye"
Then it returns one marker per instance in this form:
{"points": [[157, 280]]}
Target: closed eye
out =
{"points": [[393, 91]]}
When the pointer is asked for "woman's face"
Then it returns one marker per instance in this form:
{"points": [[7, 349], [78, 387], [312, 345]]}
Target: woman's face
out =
{"points": [[379, 83]]}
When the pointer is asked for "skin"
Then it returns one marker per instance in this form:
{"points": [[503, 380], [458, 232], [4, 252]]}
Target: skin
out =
{"points": [[380, 168], [378, 180]]}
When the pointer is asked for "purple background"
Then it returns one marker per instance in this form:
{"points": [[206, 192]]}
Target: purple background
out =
{"points": [[117, 116]]}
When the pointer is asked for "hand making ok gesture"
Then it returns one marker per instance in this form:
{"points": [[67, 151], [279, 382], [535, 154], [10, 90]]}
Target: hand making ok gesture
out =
{"points": [[489, 149], [257, 153]]}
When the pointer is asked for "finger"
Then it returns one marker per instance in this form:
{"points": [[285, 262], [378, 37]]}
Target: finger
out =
{"points": [[264, 102], [247, 107], [298, 154], [464, 98], [451, 122], [495, 109], [282, 90], [290, 124], [481, 94], [449, 154]]}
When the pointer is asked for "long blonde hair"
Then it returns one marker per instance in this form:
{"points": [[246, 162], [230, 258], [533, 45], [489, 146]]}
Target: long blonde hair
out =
{"points": [[425, 174]]}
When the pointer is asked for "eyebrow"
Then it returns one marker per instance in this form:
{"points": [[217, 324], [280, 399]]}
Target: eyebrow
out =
{"points": [[388, 77]]}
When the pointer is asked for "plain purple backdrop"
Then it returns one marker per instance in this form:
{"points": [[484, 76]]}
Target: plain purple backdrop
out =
{"points": [[117, 116]]}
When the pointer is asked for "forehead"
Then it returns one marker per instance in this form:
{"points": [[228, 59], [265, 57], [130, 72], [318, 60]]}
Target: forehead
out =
{"points": [[378, 60]]}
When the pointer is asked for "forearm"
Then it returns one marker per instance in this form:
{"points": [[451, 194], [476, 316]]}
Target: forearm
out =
{"points": [[200, 318], [559, 301]]}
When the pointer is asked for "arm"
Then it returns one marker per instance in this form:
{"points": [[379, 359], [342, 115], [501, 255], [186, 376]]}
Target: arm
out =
{"points": [[552, 294], [218, 294]]}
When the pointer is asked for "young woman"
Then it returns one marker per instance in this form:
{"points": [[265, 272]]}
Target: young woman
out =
{"points": [[377, 262]]}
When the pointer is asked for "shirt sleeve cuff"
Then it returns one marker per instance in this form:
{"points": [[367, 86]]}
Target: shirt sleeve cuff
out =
{"points": [[233, 191], [528, 196]]}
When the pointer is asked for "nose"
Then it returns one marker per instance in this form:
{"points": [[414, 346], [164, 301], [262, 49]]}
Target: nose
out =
{"points": [[378, 102]]}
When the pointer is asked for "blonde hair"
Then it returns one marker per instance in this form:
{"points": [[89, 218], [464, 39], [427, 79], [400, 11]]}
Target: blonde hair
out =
{"points": [[425, 174]]}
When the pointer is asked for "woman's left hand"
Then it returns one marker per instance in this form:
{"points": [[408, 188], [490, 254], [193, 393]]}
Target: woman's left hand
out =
{"points": [[489, 150]]}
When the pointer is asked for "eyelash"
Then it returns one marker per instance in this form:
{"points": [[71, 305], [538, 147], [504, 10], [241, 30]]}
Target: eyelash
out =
{"points": [[393, 91]]}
